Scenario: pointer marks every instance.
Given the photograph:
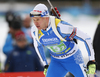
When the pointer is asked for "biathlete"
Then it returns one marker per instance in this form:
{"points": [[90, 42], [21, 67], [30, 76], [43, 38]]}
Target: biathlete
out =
{"points": [[57, 36]]}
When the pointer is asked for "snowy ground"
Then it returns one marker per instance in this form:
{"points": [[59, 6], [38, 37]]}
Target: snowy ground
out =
{"points": [[85, 23]]}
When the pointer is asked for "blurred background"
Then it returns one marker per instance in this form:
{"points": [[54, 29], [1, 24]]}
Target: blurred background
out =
{"points": [[84, 14]]}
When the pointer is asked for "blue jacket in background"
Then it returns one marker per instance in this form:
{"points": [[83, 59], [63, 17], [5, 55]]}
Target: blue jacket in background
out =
{"points": [[21, 60], [9, 44]]}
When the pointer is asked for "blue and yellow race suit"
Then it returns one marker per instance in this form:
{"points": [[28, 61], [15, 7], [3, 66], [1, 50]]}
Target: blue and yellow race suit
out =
{"points": [[65, 55]]}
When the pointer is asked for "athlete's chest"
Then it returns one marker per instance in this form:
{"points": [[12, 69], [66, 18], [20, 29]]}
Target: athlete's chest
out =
{"points": [[49, 38]]}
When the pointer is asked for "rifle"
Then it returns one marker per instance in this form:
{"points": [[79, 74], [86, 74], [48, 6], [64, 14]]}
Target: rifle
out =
{"points": [[54, 11]]}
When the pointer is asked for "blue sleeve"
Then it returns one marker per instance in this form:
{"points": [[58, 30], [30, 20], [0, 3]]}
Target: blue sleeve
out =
{"points": [[8, 46], [87, 41], [41, 50], [86, 45]]}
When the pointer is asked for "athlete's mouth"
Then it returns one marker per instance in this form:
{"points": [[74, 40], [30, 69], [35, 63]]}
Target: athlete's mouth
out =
{"points": [[37, 26]]}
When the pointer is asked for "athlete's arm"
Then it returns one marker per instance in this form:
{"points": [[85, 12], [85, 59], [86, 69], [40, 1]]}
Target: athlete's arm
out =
{"points": [[87, 40], [73, 32], [39, 48]]}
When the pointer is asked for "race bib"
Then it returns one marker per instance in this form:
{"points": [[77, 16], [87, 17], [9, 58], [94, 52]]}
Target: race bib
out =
{"points": [[57, 48]]}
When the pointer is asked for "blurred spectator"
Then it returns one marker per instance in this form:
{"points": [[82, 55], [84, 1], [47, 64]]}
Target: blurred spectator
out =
{"points": [[14, 26], [26, 28], [96, 46], [9, 17], [23, 57]]}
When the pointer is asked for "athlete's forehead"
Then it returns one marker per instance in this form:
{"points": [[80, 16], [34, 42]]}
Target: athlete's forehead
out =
{"points": [[38, 18], [35, 18]]}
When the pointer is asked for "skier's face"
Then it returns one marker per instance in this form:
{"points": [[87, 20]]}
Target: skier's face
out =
{"points": [[41, 22]]}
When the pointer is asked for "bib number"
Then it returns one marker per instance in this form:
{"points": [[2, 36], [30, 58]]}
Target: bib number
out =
{"points": [[57, 48]]}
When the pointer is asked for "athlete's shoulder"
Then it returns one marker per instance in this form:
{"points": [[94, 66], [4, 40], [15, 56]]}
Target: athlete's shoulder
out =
{"points": [[57, 21], [65, 27], [64, 23]]}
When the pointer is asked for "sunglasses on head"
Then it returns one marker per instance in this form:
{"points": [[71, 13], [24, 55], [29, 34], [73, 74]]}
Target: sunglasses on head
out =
{"points": [[41, 15], [33, 15]]}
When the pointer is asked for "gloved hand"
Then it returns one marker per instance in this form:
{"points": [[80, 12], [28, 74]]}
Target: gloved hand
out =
{"points": [[91, 67], [45, 69]]}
